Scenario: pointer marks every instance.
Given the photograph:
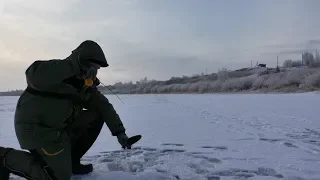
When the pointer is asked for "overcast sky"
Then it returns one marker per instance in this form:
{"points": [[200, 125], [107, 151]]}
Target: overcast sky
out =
{"points": [[155, 38]]}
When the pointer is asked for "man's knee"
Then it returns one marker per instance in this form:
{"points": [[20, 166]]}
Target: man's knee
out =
{"points": [[24, 164], [58, 158]]}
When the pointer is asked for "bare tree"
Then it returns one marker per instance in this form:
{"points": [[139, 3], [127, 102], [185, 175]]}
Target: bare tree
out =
{"points": [[289, 63], [223, 74], [308, 59]]}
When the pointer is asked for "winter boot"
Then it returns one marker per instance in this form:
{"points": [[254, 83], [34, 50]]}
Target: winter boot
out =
{"points": [[4, 172], [78, 168], [22, 164]]}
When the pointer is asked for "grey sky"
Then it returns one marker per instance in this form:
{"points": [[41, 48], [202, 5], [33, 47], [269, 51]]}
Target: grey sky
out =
{"points": [[156, 38]]}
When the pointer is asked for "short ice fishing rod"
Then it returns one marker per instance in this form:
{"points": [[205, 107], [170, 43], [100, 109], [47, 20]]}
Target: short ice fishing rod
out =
{"points": [[89, 82], [112, 92]]}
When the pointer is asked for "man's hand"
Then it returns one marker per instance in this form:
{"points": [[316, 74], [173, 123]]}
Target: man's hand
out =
{"points": [[88, 69], [123, 140], [91, 73]]}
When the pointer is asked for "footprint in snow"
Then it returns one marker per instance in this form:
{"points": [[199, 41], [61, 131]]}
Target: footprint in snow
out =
{"points": [[221, 148], [243, 173], [246, 139], [172, 150], [172, 144], [172, 163], [209, 159], [213, 178], [270, 140], [308, 136], [286, 143]]}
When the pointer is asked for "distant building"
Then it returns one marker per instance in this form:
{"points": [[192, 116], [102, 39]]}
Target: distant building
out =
{"points": [[260, 68], [262, 65]]}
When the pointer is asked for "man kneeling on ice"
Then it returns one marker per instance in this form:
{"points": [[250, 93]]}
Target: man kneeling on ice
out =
{"points": [[50, 121]]}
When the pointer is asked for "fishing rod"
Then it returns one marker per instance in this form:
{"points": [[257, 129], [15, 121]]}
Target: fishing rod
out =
{"points": [[89, 82], [112, 92]]}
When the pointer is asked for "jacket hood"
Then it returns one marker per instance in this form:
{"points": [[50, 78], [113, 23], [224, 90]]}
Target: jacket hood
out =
{"points": [[91, 50]]}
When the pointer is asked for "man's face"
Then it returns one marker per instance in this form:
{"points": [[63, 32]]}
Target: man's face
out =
{"points": [[96, 66]]}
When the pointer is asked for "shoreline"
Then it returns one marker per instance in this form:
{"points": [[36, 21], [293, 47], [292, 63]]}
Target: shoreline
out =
{"points": [[214, 93], [289, 81], [284, 90]]}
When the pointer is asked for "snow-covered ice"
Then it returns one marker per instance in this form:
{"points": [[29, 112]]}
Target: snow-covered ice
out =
{"points": [[204, 137]]}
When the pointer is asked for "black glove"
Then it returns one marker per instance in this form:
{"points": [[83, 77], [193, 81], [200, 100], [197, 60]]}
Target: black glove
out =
{"points": [[123, 140]]}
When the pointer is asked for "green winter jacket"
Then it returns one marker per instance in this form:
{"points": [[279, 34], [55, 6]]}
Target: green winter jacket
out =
{"points": [[44, 119]]}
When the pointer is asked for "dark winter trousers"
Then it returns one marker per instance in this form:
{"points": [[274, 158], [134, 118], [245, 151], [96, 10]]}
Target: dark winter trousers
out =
{"points": [[52, 163]]}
